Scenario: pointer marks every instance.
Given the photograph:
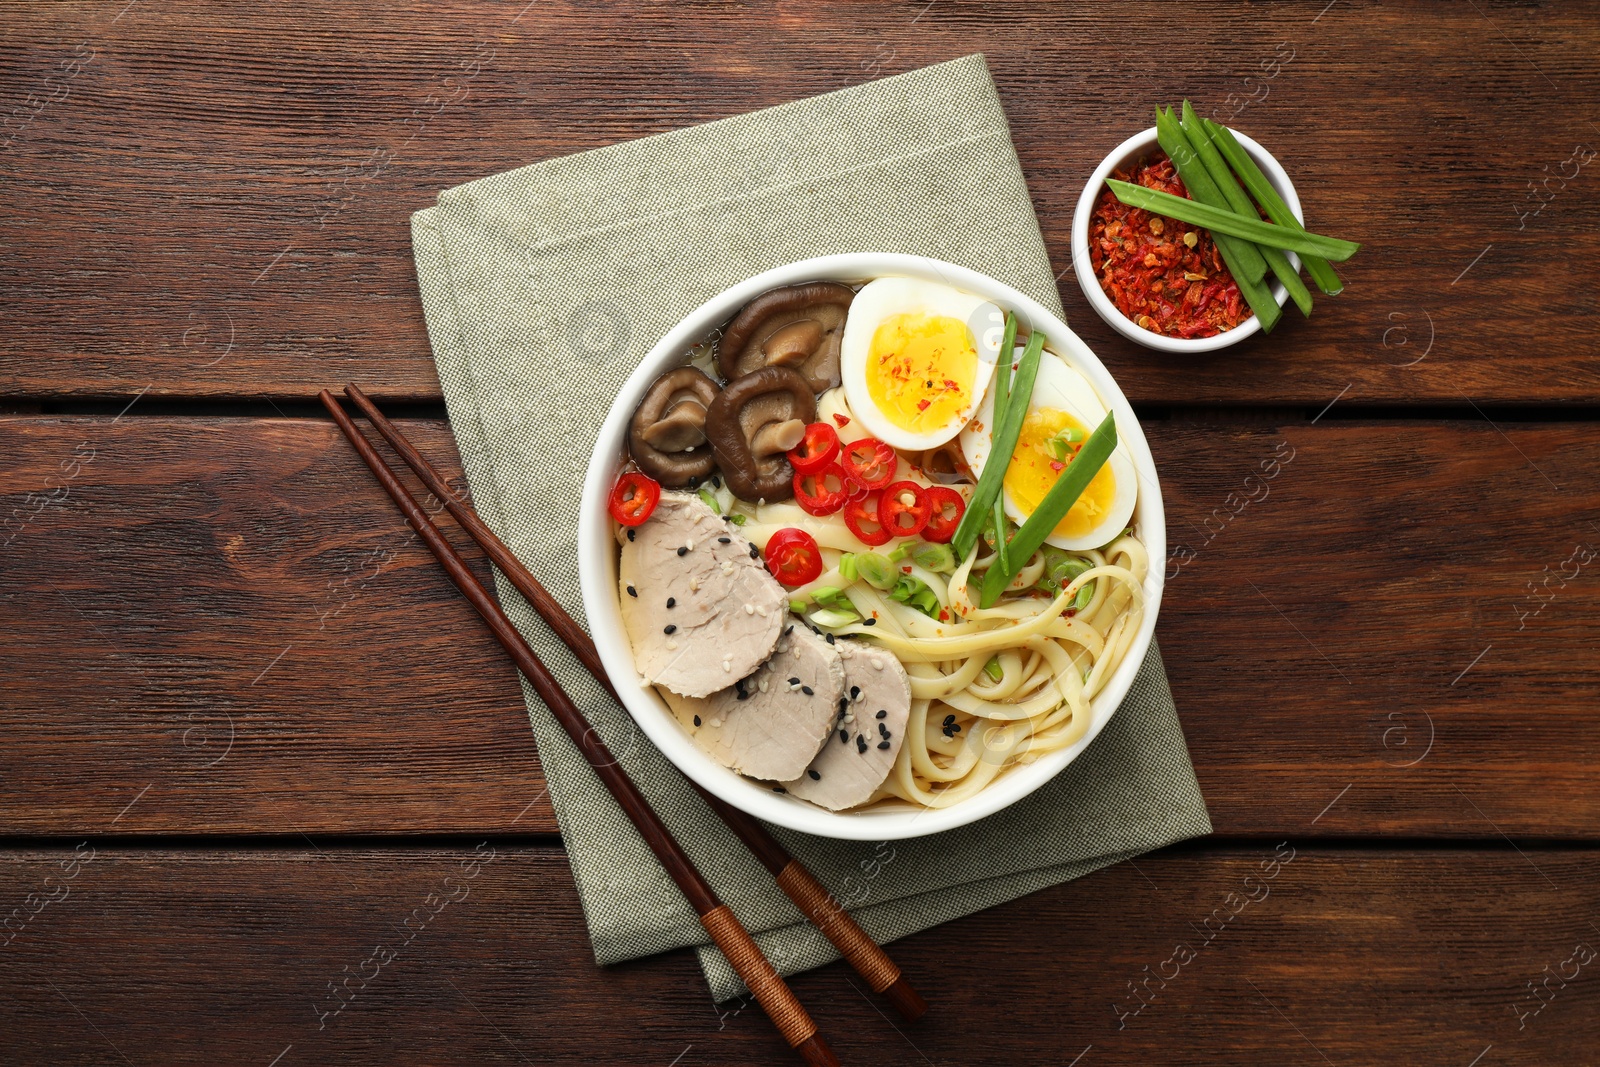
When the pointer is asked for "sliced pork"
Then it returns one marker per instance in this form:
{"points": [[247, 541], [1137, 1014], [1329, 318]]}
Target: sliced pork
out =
{"points": [[771, 724], [697, 601], [866, 737]]}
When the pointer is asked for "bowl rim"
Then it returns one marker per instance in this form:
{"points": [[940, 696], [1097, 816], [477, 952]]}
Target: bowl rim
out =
{"points": [[1132, 148], [598, 563]]}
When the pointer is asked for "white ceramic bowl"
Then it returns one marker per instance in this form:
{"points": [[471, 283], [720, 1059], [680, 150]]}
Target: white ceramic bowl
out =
{"points": [[1122, 157], [597, 558]]}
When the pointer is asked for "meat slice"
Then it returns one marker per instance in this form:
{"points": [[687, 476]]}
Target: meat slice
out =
{"points": [[866, 738], [772, 723], [699, 606]]}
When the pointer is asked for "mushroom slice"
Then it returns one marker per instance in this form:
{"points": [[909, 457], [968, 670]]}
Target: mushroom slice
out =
{"points": [[666, 436], [798, 326], [752, 423]]}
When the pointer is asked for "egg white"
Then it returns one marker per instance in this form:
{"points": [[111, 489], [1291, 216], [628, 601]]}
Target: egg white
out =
{"points": [[1060, 387], [888, 297]]}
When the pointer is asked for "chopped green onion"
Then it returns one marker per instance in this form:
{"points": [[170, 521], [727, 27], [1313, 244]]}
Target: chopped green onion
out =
{"points": [[1055, 505], [1007, 428], [934, 557], [737, 519], [834, 618], [1085, 595], [824, 593], [876, 570], [1270, 201], [1219, 220], [710, 499], [847, 566], [1169, 131], [797, 606], [1237, 199], [900, 552], [993, 668]]}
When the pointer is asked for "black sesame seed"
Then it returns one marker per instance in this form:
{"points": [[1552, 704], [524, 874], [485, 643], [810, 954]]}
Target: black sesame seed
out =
{"points": [[955, 728], [882, 745], [844, 703], [861, 743], [672, 601], [883, 731], [787, 630], [631, 532], [815, 777], [948, 719], [697, 720], [794, 681], [724, 540], [855, 692], [779, 789], [669, 629], [869, 622], [741, 695], [716, 482], [808, 691], [881, 715], [632, 591], [755, 553], [828, 638], [844, 737], [683, 550]]}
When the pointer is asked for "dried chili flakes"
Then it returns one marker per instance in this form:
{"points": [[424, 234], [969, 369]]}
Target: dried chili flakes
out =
{"points": [[1164, 275]]}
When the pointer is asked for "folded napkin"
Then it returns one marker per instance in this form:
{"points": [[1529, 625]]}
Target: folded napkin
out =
{"points": [[544, 286]]}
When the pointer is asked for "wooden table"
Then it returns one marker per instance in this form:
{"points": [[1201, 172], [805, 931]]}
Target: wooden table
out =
{"points": [[232, 761]]}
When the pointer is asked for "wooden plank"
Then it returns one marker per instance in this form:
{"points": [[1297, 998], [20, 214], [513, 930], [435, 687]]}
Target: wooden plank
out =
{"points": [[213, 201], [1232, 956], [1349, 619], [231, 614]]}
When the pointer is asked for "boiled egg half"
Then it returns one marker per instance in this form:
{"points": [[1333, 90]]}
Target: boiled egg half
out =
{"points": [[1062, 413], [916, 359]]}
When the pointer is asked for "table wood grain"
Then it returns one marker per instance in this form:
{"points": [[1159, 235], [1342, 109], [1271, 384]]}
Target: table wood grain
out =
{"points": [[249, 729]]}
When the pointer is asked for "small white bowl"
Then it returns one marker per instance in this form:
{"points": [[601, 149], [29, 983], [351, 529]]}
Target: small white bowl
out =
{"points": [[1123, 157], [597, 558]]}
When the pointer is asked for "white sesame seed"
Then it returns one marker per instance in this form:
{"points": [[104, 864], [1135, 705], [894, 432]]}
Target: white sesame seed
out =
{"points": [[849, 718], [761, 611], [690, 545], [749, 609], [672, 646], [716, 722], [727, 667], [762, 685]]}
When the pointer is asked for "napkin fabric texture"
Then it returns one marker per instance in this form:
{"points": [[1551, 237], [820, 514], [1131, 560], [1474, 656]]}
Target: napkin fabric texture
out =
{"points": [[544, 286]]}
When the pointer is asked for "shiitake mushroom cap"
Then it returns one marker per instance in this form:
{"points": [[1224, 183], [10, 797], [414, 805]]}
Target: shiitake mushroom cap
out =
{"points": [[667, 434], [797, 326]]}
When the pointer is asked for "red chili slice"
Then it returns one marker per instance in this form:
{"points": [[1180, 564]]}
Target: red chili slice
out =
{"points": [[822, 491], [945, 508], [793, 557], [634, 498], [902, 517], [818, 446], [861, 515], [870, 463]]}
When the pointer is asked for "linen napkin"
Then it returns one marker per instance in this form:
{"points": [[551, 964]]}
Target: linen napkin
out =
{"points": [[544, 286]]}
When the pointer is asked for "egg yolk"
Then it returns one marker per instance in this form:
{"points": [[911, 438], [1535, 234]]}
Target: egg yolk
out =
{"points": [[920, 370], [1034, 469]]}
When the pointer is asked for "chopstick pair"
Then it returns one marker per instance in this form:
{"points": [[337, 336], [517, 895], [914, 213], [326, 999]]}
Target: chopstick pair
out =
{"points": [[865, 955]]}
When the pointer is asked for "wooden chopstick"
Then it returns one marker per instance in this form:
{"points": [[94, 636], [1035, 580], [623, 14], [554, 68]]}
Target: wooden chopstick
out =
{"points": [[798, 883], [730, 936]]}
